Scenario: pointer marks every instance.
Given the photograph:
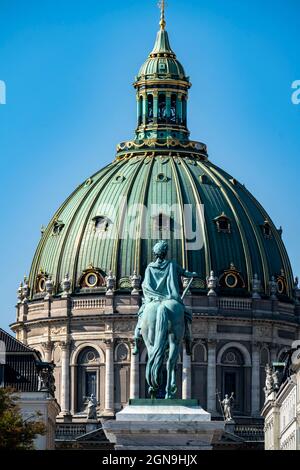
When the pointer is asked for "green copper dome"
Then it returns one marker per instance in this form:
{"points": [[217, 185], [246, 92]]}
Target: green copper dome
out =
{"points": [[161, 167], [244, 244]]}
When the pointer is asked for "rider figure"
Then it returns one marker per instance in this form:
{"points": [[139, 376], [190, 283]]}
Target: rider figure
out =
{"points": [[160, 251]]}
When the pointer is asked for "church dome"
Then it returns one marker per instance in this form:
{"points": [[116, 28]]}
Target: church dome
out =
{"points": [[162, 169], [239, 238]]}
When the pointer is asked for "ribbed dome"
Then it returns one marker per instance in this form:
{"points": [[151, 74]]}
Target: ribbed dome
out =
{"points": [[162, 61], [249, 241]]}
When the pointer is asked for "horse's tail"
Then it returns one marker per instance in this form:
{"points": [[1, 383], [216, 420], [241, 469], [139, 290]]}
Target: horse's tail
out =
{"points": [[156, 357]]}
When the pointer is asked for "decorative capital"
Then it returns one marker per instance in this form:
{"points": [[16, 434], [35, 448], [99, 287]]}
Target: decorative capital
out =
{"points": [[65, 345], [47, 345]]}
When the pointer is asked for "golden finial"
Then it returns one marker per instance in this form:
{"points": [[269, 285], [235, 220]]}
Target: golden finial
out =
{"points": [[161, 5]]}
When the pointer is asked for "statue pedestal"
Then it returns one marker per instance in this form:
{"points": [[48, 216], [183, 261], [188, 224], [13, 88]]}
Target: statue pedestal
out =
{"points": [[163, 425]]}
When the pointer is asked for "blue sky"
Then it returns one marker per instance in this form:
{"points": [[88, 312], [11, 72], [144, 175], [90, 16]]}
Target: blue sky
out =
{"points": [[69, 68]]}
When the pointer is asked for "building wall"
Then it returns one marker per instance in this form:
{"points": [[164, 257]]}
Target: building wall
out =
{"points": [[282, 416], [231, 342], [33, 402]]}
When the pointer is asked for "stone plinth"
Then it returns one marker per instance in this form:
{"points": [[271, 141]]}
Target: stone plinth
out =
{"points": [[163, 425]]}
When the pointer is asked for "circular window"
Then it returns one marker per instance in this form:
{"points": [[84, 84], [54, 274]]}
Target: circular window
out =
{"points": [[161, 177], [280, 286], [90, 356], [231, 280], [230, 357], [42, 284], [91, 280]]}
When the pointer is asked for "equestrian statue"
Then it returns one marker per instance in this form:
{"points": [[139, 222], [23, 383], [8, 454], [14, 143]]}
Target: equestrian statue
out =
{"points": [[163, 320]]}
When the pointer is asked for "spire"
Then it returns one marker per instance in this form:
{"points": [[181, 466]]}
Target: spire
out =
{"points": [[162, 22]]}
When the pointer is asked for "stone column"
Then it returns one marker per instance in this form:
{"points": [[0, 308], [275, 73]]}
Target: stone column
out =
{"points": [[186, 375], [73, 388], [255, 382], [109, 378], [145, 108], [138, 110], [211, 376], [65, 378], [134, 374]]}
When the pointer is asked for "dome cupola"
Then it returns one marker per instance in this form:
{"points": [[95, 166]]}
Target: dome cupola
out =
{"points": [[162, 92]]}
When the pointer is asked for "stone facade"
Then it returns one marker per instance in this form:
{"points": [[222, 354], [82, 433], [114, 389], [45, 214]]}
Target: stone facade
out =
{"points": [[32, 402], [282, 415], [22, 370], [90, 341]]}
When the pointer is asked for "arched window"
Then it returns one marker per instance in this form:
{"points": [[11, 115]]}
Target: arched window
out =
{"points": [[150, 109], [184, 111], [88, 376], [173, 111], [163, 225], [223, 223], [199, 373], [140, 111], [162, 108], [232, 378]]}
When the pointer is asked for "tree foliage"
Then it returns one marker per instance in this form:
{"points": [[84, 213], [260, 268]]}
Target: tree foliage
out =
{"points": [[15, 432]]}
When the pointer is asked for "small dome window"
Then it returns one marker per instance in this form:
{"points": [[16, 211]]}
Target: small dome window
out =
{"points": [[101, 223], [232, 278], [204, 179], [281, 283], [88, 182], [223, 223], [57, 227], [40, 285], [92, 277], [163, 223], [119, 179], [161, 178], [267, 231]]}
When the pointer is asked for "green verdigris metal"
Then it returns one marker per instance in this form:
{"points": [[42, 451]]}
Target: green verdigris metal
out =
{"points": [[163, 320]]}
